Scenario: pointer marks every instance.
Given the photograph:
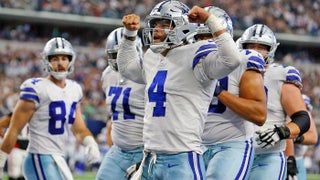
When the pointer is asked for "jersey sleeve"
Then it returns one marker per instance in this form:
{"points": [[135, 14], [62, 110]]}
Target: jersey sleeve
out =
{"points": [[293, 76], [200, 55], [29, 91], [129, 61], [222, 61], [254, 60]]}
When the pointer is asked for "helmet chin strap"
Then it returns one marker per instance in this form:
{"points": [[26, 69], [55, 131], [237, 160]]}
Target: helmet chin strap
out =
{"points": [[158, 48], [59, 75]]}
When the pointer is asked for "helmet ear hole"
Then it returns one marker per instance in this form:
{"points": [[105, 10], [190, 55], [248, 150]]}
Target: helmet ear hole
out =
{"points": [[50, 57], [70, 58]]}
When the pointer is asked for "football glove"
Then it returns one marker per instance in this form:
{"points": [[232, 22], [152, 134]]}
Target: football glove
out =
{"points": [[299, 139], [269, 137], [91, 150], [292, 169], [132, 170]]}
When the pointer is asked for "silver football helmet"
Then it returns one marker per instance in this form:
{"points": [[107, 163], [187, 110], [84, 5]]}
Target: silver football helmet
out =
{"points": [[223, 17], [180, 30], [58, 46], [307, 101], [260, 34], [112, 46]]}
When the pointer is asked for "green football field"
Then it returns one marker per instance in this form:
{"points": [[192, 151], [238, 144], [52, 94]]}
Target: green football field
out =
{"points": [[91, 176]]}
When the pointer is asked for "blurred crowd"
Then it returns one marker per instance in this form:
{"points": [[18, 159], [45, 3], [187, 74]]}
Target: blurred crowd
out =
{"points": [[289, 16]]}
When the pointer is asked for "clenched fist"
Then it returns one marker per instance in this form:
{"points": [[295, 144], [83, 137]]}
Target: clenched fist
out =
{"points": [[131, 22], [198, 15]]}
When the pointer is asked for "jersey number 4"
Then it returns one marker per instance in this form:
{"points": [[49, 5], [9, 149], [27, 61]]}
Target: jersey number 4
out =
{"points": [[157, 95]]}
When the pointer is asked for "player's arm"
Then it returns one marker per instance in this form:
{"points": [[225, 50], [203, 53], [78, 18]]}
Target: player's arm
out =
{"points": [[292, 168], [217, 64], [109, 137], [129, 62], [21, 115], [221, 62], [294, 106], [79, 127], [252, 102], [4, 123], [83, 135], [311, 136]]}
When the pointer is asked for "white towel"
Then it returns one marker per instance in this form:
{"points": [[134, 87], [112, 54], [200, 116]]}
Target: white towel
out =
{"points": [[63, 167], [138, 174]]}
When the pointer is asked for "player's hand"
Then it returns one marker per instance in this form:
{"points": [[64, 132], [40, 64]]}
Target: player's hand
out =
{"points": [[91, 150], [218, 89], [198, 15], [292, 169], [131, 22], [93, 154], [269, 137]]}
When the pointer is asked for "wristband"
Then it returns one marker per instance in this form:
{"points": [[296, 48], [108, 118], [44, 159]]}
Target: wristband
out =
{"points": [[129, 33], [299, 139], [302, 119], [214, 24]]}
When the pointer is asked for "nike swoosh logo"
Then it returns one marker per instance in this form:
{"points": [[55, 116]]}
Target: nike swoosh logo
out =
{"points": [[173, 10], [172, 165]]}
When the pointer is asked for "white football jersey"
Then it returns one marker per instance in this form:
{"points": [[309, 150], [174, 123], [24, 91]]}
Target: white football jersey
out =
{"points": [[50, 125], [224, 125], [275, 76], [179, 89], [125, 100]]}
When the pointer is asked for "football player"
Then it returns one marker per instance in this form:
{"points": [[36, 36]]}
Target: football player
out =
{"points": [[125, 101], [283, 85], [239, 102], [51, 108], [180, 78]]}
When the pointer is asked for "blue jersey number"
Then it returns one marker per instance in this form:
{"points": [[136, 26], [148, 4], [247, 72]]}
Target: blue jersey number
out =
{"points": [[57, 113], [116, 91], [156, 94], [219, 107]]}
